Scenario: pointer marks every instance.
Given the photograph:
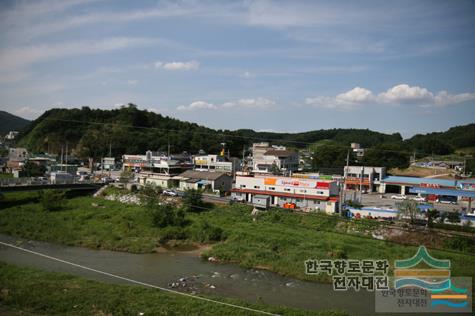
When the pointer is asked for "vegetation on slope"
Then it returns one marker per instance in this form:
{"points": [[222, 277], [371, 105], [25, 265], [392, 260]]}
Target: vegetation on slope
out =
{"points": [[278, 241]]}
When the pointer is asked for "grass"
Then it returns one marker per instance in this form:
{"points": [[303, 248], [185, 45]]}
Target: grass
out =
{"points": [[279, 241], [34, 291]]}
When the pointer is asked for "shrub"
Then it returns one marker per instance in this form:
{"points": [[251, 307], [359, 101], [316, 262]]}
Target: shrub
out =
{"points": [[52, 200], [193, 200], [166, 215], [460, 243], [205, 232]]}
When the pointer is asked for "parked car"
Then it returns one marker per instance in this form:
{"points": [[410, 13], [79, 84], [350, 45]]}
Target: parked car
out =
{"points": [[443, 201], [106, 180], [398, 197], [238, 198], [170, 193], [419, 199]]}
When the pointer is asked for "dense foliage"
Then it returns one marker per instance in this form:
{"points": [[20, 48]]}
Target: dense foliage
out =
{"points": [[10, 122], [130, 130], [127, 130]]}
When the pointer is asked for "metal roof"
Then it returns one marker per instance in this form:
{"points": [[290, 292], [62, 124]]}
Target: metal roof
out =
{"points": [[418, 181], [449, 192]]}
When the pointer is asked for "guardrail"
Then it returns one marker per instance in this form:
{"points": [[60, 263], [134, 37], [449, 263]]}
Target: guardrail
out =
{"points": [[35, 181]]}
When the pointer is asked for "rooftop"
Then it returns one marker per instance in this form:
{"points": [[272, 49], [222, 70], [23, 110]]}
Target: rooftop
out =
{"points": [[193, 174]]}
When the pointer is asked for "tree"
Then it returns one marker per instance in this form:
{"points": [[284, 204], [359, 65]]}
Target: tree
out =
{"points": [[52, 200], [33, 170], [331, 156], [387, 155], [453, 217], [193, 200], [274, 169], [431, 215], [409, 208]]}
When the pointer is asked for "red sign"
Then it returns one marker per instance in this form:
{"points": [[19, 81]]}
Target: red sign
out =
{"points": [[323, 185], [430, 185]]}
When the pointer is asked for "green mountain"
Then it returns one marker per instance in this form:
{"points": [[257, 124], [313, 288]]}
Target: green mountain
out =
{"points": [[10, 122], [90, 132], [442, 143]]}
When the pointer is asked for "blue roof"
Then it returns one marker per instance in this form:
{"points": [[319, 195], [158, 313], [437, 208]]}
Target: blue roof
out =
{"points": [[418, 181], [449, 192]]}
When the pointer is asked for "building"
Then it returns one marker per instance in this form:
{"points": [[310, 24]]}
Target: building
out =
{"points": [[108, 163], [273, 159], [12, 135], [306, 194], [215, 163], [357, 150], [17, 157], [205, 180], [156, 168], [364, 178]]}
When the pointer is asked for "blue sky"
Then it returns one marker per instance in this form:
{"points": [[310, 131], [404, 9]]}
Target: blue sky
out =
{"points": [[403, 66]]}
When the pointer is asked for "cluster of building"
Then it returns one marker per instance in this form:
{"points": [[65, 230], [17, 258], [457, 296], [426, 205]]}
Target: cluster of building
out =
{"points": [[270, 176]]}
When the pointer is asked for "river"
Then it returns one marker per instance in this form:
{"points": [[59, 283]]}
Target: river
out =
{"points": [[201, 277]]}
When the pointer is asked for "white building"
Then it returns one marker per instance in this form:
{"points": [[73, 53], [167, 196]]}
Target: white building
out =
{"points": [[213, 163], [364, 178], [205, 180], [306, 194], [273, 159], [156, 169]]}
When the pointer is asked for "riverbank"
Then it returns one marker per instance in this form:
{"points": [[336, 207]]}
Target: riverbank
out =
{"points": [[277, 241], [26, 290]]}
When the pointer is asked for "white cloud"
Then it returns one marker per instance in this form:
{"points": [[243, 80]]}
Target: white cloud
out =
{"points": [[197, 105], [27, 112], [399, 94], [178, 65], [259, 103], [132, 82], [247, 75], [22, 56], [404, 93], [249, 103]]}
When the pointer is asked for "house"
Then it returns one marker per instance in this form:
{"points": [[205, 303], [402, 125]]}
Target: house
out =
{"points": [[273, 159], [215, 163], [17, 157], [156, 168], [205, 180]]}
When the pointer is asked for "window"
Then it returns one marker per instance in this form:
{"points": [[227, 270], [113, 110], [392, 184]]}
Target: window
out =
{"points": [[271, 188], [257, 187], [303, 191], [242, 186], [287, 189]]}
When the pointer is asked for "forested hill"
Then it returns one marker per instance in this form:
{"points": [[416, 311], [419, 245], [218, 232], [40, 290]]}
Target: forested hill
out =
{"points": [[130, 130], [444, 142], [10, 122]]}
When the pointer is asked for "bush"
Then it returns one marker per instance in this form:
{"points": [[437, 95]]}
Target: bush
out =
{"points": [[460, 243], [52, 200], [205, 232], [166, 215], [193, 200]]}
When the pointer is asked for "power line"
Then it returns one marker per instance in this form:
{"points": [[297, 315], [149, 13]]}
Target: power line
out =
{"points": [[210, 133], [135, 281]]}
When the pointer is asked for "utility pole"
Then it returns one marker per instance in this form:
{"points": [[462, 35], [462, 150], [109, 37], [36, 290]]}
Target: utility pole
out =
{"points": [[66, 167], [342, 184], [61, 157]]}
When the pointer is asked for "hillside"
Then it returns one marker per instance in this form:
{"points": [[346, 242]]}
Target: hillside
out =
{"points": [[130, 130], [443, 143], [10, 122]]}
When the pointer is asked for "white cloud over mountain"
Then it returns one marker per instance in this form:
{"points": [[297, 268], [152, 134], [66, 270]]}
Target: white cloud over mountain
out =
{"points": [[399, 94]]}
